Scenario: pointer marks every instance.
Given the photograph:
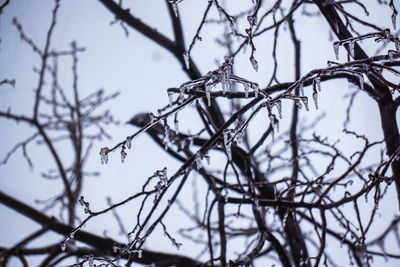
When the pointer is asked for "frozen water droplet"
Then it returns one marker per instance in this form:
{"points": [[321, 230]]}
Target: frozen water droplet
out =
{"points": [[63, 246], [279, 107], [361, 80], [336, 49], [170, 98], [197, 158], [186, 58], [208, 94], [315, 98], [254, 63], [123, 155], [301, 89], [317, 81], [128, 142], [104, 155], [246, 90], [305, 102], [72, 235], [351, 48]]}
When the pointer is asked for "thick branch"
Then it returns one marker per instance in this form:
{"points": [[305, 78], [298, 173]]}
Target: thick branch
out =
{"points": [[101, 244]]}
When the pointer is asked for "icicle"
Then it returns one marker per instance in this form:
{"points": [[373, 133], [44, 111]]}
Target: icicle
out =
{"points": [[128, 142], [271, 117], [63, 246], [317, 81], [361, 80], [391, 54], [171, 98], [256, 89], [227, 145], [246, 90], [301, 89], [207, 157], [208, 94], [315, 98], [186, 58], [224, 85], [336, 49], [152, 117], [104, 155], [298, 104], [251, 20], [351, 48], [394, 20], [175, 8], [123, 155], [232, 26], [276, 124], [284, 220], [362, 254], [305, 102], [254, 63], [279, 107], [91, 261], [197, 158], [386, 33], [225, 194], [397, 45], [176, 123], [166, 139]]}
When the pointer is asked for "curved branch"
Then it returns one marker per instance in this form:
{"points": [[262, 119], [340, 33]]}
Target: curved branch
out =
{"points": [[103, 245]]}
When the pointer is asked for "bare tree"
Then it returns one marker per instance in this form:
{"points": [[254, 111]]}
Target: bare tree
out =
{"points": [[276, 189]]}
